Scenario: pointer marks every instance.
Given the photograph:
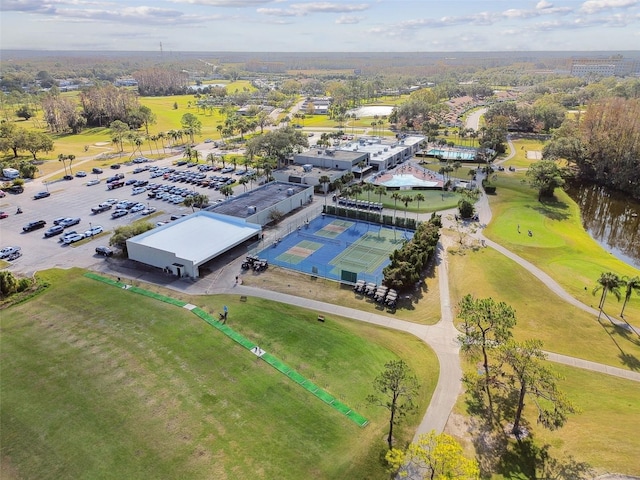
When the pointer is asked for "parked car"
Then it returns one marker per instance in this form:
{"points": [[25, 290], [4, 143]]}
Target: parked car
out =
{"points": [[81, 173], [106, 251], [56, 221], [68, 177], [148, 211], [41, 195], [121, 212], [95, 181], [115, 166], [7, 251], [111, 201], [131, 181], [94, 230], [69, 239], [53, 231], [137, 207], [68, 222], [103, 207], [138, 190], [29, 227], [15, 189], [96, 170], [3, 215], [67, 234]]}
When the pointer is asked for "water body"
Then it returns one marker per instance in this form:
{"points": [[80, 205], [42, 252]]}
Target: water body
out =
{"points": [[379, 110], [612, 219]]}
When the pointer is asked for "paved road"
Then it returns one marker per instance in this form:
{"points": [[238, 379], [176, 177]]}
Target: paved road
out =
{"points": [[473, 119]]}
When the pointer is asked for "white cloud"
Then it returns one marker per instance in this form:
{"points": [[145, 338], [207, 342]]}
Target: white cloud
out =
{"points": [[224, 3], [595, 6], [348, 20], [542, 4], [304, 9]]}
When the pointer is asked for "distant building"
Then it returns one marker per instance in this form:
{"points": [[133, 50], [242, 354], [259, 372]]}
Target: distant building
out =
{"points": [[615, 65], [320, 105]]}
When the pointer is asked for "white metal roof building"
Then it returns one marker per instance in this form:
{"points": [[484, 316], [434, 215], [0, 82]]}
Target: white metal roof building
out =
{"points": [[182, 246]]}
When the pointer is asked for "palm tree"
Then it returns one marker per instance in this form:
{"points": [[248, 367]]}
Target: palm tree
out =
{"points": [[226, 190], [243, 181], [608, 282], [71, 157], [324, 180], [395, 196], [211, 158], [419, 198], [63, 158], [380, 191], [631, 284], [406, 199]]}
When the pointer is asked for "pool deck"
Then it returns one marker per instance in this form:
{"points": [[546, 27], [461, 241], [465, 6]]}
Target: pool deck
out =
{"points": [[420, 173]]}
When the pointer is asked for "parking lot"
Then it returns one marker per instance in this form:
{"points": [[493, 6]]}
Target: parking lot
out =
{"points": [[74, 198]]}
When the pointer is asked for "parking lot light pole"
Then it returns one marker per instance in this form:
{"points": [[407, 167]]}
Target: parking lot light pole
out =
{"points": [[91, 229]]}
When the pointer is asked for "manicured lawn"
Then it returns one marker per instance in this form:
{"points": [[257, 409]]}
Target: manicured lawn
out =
{"points": [[520, 159], [98, 382], [434, 201], [541, 314], [560, 246], [602, 433]]}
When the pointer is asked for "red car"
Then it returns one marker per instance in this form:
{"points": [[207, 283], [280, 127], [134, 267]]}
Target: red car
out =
{"points": [[4, 214]]}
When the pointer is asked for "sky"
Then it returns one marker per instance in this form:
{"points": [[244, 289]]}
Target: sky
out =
{"points": [[320, 26]]}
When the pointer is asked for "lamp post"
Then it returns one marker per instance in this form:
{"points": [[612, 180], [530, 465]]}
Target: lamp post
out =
{"points": [[91, 229]]}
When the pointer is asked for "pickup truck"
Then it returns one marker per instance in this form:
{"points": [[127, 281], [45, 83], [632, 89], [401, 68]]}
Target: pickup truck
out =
{"points": [[115, 184], [103, 207]]}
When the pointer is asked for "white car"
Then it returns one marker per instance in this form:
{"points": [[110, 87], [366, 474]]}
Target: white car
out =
{"points": [[137, 207], [148, 211], [95, 230], [69, 239], [111, 201], [138, 190], [95, 181], [8, 251]]}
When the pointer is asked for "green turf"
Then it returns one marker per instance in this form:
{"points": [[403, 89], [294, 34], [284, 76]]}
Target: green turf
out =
{"points": [[246, 343], [560, 246], [541, 314], [97, 385]]}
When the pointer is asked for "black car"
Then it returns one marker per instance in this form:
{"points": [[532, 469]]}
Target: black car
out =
{"points": [[41, 195], [55, 230], [68, 177], [29, 227], [115, 166], [96, 170], [106, 251], [15, 189]]}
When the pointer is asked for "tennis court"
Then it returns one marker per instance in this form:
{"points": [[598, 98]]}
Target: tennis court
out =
{"points": [[337, 248]]}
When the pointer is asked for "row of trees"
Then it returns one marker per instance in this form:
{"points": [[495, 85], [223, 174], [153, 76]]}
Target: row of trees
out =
{"points": [[408, 263]]}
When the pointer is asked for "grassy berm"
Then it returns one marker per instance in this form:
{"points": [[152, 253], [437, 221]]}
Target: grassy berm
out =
{"points": [[101, 383]]}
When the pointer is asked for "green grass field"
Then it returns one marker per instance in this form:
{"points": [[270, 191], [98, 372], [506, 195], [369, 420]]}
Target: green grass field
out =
{"points": [[602, 434], [99, 382], [540, 313], [560, 246]]}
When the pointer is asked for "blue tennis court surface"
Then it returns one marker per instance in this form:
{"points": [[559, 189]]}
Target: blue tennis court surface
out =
{"points": [[329, 246]]}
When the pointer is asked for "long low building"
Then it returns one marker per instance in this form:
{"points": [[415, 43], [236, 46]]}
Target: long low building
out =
{"points": [[183, 246]]}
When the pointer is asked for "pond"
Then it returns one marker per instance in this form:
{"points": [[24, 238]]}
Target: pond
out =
{"points": [[612, 219]]}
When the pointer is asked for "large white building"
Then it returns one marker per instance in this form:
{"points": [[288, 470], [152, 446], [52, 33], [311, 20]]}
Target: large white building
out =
{"points": [[183, 246]]}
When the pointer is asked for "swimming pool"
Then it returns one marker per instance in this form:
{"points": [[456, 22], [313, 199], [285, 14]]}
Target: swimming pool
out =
{"points": [[408, 181], [452, 154]]}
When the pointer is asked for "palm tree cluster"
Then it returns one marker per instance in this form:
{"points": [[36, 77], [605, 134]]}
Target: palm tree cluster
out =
{"points": [[610, 282], [408, 262]]}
